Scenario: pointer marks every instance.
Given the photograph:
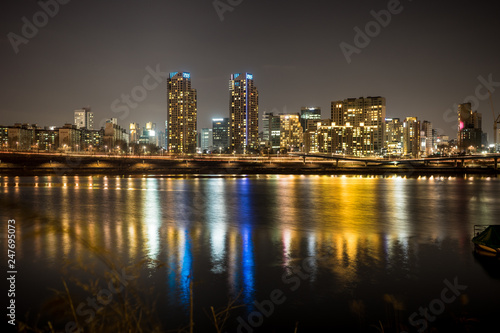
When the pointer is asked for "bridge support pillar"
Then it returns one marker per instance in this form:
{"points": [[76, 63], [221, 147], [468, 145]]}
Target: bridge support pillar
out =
{"points": [[496, 163], [304, 159], [366, 164], [337, 163], [456, 163]]}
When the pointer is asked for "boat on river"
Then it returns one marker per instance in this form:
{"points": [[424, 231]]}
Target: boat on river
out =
{"points": [[488, 240]]}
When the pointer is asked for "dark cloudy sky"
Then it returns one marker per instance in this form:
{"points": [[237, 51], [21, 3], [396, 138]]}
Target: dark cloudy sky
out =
{"points": [[428, 58]]}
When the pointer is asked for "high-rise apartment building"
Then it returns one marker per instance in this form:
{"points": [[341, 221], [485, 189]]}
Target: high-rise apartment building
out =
{"points": [[244, 113], [114, 136], [394, 136], [21, 136], [4, 137], [70, 137], [328, 137], [393, 130], [411, 137], [366, 114], [427, 138], [291, 133], [84, 118], [182, 113], [135, 132]]}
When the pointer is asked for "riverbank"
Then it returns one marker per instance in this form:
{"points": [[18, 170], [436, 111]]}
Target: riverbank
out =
{"points": [[20, 164]]}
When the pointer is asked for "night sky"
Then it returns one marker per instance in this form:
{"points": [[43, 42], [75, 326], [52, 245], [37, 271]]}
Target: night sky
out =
{"points": [[427, 59]]}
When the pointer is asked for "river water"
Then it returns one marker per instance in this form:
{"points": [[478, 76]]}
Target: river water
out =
{"points": [[321, 253]]}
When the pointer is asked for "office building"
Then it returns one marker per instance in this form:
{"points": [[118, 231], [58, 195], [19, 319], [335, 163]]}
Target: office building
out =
{"points": [[274, 125], [206, 142], [265, 127], [160, 139], [220, 133], [469, 128], [182, 114], [309, 115]]}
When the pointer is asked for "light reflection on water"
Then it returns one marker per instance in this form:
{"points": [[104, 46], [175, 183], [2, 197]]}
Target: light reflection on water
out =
{"points": [[235, 234]]}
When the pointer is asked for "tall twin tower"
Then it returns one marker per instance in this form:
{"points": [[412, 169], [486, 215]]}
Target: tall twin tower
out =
{"points": [[182, 113]]}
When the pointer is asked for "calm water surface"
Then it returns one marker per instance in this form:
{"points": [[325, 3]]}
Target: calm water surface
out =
{"points": [[340, 251]]}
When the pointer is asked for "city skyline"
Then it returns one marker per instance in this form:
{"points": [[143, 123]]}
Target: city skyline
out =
{"points": [[422, 71], [261, 127], [250, 165]]}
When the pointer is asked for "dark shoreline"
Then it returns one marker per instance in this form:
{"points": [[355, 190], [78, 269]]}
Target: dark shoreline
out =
{"points": [[12, 164]]}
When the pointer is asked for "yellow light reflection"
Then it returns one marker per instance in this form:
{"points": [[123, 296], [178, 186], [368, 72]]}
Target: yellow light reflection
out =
{"points": [[152, 217]]}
